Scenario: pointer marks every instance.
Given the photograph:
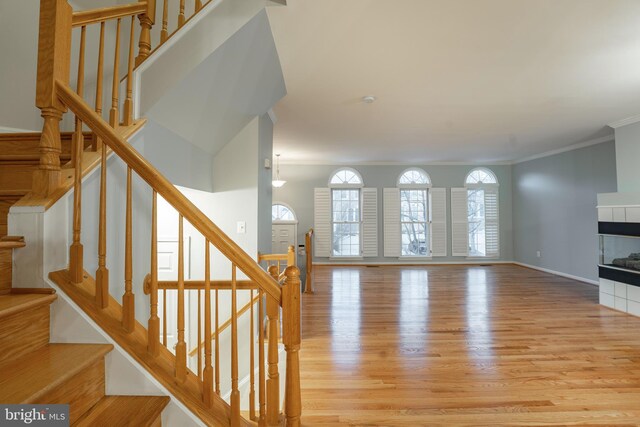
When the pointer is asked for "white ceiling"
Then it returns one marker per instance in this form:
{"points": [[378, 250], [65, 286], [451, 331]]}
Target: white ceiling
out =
{"points": [[456, 80]]}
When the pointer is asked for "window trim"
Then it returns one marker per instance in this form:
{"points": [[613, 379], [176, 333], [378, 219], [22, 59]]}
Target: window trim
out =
{"points": [[487, 186], [357, 186]]}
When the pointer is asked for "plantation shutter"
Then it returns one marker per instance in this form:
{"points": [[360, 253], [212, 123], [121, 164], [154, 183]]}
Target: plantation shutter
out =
{"points": [[459, 222], [391, 203], [438, 205], [322, 221], [491, 227], [370, 222]]}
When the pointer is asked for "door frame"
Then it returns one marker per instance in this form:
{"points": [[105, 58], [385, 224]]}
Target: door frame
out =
{"points": [[293, 222]]}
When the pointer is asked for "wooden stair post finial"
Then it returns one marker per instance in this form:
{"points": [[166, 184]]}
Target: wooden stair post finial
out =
{"points": [[146, 22], [291, 338], [54, 61]]}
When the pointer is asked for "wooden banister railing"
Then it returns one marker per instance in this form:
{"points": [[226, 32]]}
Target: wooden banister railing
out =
{"points": [[54, 98], [308, 248]]}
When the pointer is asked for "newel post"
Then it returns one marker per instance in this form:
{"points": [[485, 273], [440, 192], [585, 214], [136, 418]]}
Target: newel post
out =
{"points": [[273, 376], [146, 22], [291, 338], [54, 61]]}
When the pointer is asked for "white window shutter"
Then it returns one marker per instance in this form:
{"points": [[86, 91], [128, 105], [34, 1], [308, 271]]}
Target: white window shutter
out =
{"points": [[370, 222], [491, 223], [322, 222], [438, 205], [459, 222], [391, 222]]}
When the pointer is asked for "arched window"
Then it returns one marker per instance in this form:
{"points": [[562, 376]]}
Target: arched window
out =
{"points": [[282, 212], [414, 186], [480, 176], [414, 177], [345, 177], [346, 212], [482, 213]]}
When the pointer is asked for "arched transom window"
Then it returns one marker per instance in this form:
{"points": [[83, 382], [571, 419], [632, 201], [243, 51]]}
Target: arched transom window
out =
{"points": [[345, 177], [414, 177], [280, 212], [481, 176]]}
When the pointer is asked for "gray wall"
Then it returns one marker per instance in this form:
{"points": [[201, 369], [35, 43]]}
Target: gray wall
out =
{"points": [[181, 162], [554, 208], [301, 180], [628, 153]]}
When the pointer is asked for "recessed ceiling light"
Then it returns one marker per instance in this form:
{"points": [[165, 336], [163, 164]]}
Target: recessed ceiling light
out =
{"points": [[368, 99]]}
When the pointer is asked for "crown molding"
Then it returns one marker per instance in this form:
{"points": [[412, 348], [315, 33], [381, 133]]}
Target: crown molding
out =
{"points": [[389, 163], [571, 147], [624, 122]]}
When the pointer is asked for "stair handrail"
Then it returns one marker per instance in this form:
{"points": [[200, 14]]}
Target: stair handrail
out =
{"points": [[168, 191]]}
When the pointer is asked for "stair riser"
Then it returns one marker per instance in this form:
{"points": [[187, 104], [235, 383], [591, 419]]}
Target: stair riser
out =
{"points": [[81, 391], [16, 177], [14, 146], [23, 332]]}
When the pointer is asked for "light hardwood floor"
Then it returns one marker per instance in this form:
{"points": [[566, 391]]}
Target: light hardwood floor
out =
{"points": [[464, 345]]}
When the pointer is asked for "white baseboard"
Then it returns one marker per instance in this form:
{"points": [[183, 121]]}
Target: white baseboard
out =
{"points": [[402, 263], [558, 273]]}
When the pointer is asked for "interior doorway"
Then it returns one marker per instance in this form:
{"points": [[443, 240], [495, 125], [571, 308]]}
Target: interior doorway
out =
{"points": [[284, 231]]}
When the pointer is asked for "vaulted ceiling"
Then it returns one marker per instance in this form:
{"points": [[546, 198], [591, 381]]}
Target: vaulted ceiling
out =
{"points": [[455, 80]]}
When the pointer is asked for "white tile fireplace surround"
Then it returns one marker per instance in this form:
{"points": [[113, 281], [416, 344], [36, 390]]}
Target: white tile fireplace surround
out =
{"points": [[619, 261]]}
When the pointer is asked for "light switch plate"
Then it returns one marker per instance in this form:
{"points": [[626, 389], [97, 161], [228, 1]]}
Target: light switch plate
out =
{"points": [[242, 227]]}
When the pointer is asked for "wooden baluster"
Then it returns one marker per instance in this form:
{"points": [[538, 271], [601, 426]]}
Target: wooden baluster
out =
{"points": [[181, 18], [99, 77], [181, 346], [164, 317], [252, 364], [261, 374], [273, 381], [102, 273], [207, 374], [153, 341], [76, 262], [164, 34], [128, 299], [197, 7], [128, 102], [146, 22], [199, 337], [217, 346], [291, 338], [54, 62], [235, 393], [114, 116]]}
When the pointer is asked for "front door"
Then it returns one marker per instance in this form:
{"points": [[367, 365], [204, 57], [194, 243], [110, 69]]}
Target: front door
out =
{"points": [[282, 236]]}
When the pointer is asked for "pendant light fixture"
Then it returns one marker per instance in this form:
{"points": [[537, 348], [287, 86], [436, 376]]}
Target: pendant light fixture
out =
{"points": [[277, 183]]}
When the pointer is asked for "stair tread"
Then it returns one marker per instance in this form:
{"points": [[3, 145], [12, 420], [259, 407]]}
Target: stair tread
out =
{"points": [[26, 379], [15, 303], [134, 411]]}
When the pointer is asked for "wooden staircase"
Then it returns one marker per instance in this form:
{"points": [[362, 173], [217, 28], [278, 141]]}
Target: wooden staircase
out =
{"points": [[32, 370], [40, 169]]}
